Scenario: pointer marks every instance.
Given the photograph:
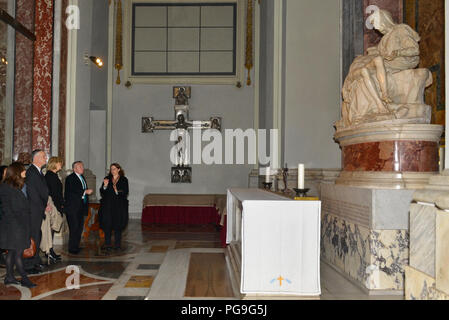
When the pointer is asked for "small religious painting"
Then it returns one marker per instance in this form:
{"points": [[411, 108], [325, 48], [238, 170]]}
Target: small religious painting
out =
{"points": [[181, 174]]}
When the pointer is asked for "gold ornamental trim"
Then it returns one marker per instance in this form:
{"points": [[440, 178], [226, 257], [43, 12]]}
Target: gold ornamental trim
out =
{"points": [[118, 41], [249, 40]]}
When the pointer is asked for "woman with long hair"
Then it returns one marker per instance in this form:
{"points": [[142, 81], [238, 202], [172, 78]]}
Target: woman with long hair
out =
{"points": [[54, 184], [114, 206], [15, 235]]}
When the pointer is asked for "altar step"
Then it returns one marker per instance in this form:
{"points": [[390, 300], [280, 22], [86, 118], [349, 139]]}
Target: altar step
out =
{"points": [[233, 261]]}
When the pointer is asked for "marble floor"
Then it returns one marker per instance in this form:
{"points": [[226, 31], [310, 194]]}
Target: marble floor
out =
{"points": [[156, 262]]}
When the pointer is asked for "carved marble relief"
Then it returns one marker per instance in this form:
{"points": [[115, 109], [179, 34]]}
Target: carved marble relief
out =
{"points": [[374, 258]]}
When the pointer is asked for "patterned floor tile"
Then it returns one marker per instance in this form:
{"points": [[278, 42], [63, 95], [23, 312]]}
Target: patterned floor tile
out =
{"points": [[139, 282], [158, 249], [94, 292], [130, 298], [148, 266]]}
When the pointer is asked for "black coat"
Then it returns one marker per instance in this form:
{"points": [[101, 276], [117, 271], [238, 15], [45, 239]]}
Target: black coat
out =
{"points": [[37, 191], [55, 189], [113, 212], [15, 221], [73, 194]]}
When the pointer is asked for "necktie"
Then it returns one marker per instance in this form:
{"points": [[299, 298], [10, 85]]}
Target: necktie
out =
{"points": [[84, 188], [83, 183]]}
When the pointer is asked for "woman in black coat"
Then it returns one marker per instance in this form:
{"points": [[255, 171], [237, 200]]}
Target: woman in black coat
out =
{"points": [[54, 165], [15, 235], [113, 212]]}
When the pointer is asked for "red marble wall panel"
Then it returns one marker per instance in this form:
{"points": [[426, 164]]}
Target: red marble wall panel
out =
{"points": [[23, 91], [427, 18], [43, 75], [3, 69], [392, 156], [395, 7], [63, 84]]}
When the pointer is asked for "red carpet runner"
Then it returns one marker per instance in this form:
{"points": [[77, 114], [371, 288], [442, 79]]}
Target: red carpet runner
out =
{"points": [[180, 215]]}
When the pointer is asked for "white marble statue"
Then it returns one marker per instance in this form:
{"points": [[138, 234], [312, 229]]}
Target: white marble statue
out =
{"points": [[384, 84]]}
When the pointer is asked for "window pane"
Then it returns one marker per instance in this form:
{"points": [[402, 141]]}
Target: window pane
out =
{"points": [[183, 16], [173, 39], [183, 62], [217, 62], [150, 16], [150, 62], [217, 16], [150, 39], [217, 39], [180, 39]]}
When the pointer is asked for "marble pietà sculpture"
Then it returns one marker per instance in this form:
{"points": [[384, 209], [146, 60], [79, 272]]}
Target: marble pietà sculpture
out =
{"points": [[385, 84]]}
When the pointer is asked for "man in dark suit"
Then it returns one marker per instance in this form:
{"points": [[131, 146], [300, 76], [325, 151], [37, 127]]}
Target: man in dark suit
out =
{"points": [[76, 204], [37, 191]]}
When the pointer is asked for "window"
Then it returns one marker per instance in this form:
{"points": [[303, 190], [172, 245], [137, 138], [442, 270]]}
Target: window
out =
{"points": [[184, 41]]}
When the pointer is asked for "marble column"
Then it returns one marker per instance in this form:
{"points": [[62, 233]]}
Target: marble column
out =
{"points": [[63, 84], [43, 75], [23, 86]]}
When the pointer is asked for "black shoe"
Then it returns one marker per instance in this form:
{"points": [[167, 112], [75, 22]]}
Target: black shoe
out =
{"points": [[54, 255], [11, 281], [39, 266], [74, 251], [25, 282], [51, 259], [33, 271]]}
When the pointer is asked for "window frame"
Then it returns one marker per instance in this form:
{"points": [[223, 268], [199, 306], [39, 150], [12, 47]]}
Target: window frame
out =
{"points": [[188, 77]]}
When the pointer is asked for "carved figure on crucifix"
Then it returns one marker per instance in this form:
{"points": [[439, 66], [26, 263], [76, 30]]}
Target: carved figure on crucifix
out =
{"points": [[180, 125]]}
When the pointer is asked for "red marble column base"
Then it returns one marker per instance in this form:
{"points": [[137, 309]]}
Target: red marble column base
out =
{"points": [[392, 156], [389, 155]]}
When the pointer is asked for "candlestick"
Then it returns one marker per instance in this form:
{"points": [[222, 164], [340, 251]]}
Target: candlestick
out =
{"points": [[300, 176], [267, 174]]}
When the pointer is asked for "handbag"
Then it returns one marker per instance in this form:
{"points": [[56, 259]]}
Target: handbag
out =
{"points": [[31, 251]]}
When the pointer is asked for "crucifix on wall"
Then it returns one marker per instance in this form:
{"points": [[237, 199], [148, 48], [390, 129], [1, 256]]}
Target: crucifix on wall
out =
{"points": [[182, 171]]}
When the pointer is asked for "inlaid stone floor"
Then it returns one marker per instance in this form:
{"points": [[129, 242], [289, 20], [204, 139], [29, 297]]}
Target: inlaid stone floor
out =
{"points": [[157, 262]]}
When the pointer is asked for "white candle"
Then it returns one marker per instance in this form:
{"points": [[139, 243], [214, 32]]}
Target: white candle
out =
{"points": [[267, 174], [300, 176]]}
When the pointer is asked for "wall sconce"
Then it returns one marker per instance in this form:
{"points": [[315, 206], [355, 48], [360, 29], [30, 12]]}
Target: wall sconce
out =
{"points": [[4, 61], [96, 60]]}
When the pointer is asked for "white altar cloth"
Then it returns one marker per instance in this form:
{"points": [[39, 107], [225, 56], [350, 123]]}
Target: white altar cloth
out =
{"points": [[280, 242]]}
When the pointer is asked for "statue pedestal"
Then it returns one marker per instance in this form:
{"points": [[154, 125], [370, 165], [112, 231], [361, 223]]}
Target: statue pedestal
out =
{"points": [[364, 235], [427, 276], [389, 154]]}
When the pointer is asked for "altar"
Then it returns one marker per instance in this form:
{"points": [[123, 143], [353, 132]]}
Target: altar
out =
{"points": [[273, 244]]}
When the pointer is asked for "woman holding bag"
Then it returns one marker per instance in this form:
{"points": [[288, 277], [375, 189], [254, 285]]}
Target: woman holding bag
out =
{"points": [[15, 233], [113, 212], [54, 165]]}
